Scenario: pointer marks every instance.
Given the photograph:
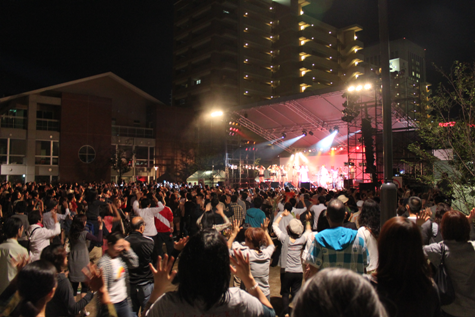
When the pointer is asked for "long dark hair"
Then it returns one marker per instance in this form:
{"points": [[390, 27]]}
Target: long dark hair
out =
{"points": [[402, 270], [77, 227], [370, 217], [55, 254], [203, 270], [209, 217], [35, 281]]}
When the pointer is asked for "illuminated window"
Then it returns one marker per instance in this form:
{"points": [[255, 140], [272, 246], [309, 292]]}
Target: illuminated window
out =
{"points": [[226, 11], [198, 82]]}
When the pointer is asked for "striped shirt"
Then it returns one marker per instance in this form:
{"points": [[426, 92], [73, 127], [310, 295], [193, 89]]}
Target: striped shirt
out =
{"points": [[238, 213]]}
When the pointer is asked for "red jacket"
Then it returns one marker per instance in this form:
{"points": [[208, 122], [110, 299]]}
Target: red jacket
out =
{"points": [[164, 220]]}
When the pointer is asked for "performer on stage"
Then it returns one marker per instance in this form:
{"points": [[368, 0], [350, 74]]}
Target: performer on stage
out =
{"points": [[277, 173], [324, 177], [341, 179], [334, 176], [262, 170], [303, 174], [295, 175], [272, 173], [284, 175]]}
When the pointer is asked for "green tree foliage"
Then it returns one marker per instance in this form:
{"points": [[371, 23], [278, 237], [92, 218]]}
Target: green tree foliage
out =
{"points": [[447, 124]]}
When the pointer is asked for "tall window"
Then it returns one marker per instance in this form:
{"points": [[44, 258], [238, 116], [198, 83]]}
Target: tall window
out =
{"points": [[46, 152], [144, 156], [12, 151]]}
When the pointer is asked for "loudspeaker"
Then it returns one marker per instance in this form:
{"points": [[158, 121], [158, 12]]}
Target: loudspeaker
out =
{"points": [[348, 183], [289, 185], [274, 185], [367, 186], [305, 185]]}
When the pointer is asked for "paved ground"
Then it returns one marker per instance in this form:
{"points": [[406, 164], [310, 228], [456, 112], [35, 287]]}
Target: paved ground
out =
{"points": [[274, 281]]}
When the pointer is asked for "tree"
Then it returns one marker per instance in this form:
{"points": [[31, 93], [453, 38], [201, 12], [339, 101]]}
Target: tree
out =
{"points": [[447, 126], [120, 162]]}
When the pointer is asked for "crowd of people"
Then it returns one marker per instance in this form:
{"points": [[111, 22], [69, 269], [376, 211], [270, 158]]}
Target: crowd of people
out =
{"points": [[65, 245]]}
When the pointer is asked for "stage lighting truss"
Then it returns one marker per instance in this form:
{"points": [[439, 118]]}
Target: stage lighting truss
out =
{"points": [[284, 135]]}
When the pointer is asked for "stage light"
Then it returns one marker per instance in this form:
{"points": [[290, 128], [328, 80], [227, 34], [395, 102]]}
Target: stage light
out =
{"points": [[284, 135], [336, 128], [216, 114], [341, 149], [359, 87], [310, 132], [351, 88], [367, 86], [357, 147], [304, 133], [309, 151]]}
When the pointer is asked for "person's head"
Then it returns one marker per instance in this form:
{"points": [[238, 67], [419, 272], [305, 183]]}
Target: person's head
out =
{"points": [[295, 228], [257, 202], [36, 285], [34, 217], [255, 238], [288, 206], [203, 270], [117, 202], [440, 210], [51, 204], [414, 205], [335, 292], [402, 265], [321, 199], [234, 198], [336, 212], [138, 224], [199, 198], [20, 207], [55, 254], [370, 217], [77, 226], [13, 228], [228, 199], [115, 245], [145, 203], [455, 226]]}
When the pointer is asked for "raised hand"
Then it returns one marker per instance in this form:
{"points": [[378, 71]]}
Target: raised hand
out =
{"points": [[236, 227], [94, 277], [240, 265], [162, 274], [181, 243], [265, 225]]}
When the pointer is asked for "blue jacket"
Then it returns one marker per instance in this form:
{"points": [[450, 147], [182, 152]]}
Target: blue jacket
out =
{"points": [[255, 217]]}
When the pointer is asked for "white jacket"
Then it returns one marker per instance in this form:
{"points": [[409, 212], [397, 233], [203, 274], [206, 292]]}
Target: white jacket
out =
{"points": [[40, 239]]}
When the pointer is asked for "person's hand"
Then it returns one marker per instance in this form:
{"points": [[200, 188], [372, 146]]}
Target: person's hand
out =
{"points": [[240, 266], [139, 195], [471, 215], [54, 215], [124, 244], [181, 243], [94, 277], [208, 207], [423, 216], [99, 220], [20, 261], [236, 228], [297, 216], [162, 275], [265, 225], [286, 213]]}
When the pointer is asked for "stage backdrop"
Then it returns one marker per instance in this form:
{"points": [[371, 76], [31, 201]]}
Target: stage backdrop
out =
{"points": [[316, 162]]}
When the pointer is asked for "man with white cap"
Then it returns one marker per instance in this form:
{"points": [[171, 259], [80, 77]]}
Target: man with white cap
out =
{"points": [[291, 272]]}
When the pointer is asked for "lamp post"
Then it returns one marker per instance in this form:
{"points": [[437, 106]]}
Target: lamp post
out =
{"points": [[388, 188]]}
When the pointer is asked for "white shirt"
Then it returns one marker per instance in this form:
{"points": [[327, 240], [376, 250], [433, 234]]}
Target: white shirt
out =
{"points": [[9, 250], [371, 246], [118, 289], [317, 209], [280, 206], [40, 239], [148, 215], [299, 211], [48, 220]]}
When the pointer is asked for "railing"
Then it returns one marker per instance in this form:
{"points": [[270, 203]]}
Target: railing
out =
{"points": [[47, 124], [118, 130], [13, 122]]}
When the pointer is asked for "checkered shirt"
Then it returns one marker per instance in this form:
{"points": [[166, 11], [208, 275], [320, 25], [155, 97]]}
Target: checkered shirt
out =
{"points": [[238, 212], [355, 257]]}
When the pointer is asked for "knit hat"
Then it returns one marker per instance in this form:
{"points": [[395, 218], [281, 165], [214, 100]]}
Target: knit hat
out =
{"points": [[343, 198], [296, 226], [360, 203]]}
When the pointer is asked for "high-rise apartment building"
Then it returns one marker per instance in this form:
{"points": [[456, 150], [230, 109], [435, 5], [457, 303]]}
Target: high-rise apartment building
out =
{"points": [[235, 52], [409, 88]]}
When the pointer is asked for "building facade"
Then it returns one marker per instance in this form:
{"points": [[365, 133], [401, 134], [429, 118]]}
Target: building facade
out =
{"points": [[72, 132], [229, 53]]}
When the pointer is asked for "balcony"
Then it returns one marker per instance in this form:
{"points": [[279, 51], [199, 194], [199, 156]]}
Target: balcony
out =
{"points": [[13, 122], [257, 56], [326, 38], [137, 132], [351, 46], [47, 124]]}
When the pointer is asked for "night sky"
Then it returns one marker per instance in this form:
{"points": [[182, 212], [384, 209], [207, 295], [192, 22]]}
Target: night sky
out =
{"points": [[43, 43]]}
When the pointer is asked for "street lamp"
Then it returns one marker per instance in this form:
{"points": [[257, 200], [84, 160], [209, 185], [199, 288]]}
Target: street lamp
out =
{"points": [[218, 113]]}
